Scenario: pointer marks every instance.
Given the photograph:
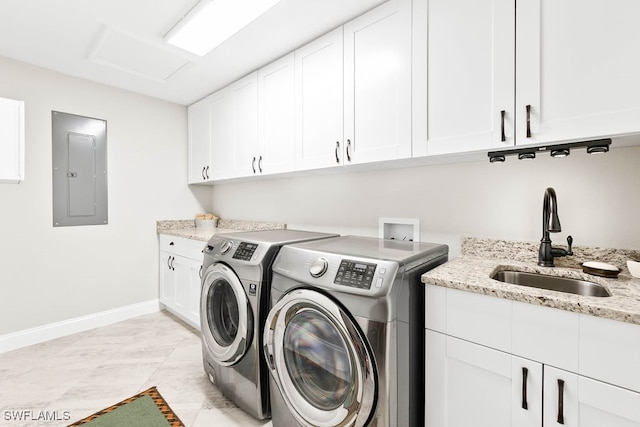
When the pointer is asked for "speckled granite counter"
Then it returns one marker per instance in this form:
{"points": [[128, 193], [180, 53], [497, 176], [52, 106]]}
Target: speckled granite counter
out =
{"points": [[187, 229], [482, 257]]}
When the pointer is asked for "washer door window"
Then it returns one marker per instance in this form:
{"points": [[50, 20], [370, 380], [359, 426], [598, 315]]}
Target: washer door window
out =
{"points": [[226, 319], [319, 360]]}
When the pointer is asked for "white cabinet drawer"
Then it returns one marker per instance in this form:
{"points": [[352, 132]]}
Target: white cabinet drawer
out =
{"points": [[181, 246], [547, 335], [610, 351], [479, 318]]}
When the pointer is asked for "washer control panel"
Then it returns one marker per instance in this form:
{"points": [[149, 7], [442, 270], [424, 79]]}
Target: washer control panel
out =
{"points": [[245, 251], [356, 274]]}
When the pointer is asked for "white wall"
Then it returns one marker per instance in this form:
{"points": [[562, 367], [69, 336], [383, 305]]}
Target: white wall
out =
{"points": [[598, 199], [52, 274]]}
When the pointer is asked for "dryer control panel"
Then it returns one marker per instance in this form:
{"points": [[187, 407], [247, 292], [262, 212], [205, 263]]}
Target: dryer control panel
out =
{"points": [[356, 274]]}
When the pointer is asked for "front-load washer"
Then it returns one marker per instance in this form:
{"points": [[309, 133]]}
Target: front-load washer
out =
{"points": [[344, 339], [233, 305]]}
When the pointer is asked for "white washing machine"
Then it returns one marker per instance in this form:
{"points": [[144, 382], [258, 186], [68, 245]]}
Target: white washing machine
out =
{"points": [[344, 340], [233, 305]]}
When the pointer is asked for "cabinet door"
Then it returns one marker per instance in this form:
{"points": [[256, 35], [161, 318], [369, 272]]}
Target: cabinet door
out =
{"points": [[575, 401], [471, 385], [192, 311], [11, 141], [463, 75], [576, 69], [222, 153], [319, 102], [199, 141], [377, 84], [602, 404], [167, 280], [276, 129], [244, 105], [187, 295], [180, 268]]}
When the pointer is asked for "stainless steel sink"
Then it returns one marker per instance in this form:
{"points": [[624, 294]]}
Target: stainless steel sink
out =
{"points": [[553, 283]]}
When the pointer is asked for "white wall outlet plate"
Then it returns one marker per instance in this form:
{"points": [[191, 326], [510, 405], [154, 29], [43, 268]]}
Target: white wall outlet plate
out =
{"points": [[399, 229]]}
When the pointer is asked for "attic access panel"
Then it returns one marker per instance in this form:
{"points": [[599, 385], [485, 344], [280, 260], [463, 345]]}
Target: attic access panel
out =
{"points": [[79, 170]]}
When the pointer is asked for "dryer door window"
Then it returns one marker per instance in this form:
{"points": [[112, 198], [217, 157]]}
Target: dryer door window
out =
{"points": [[226, 318], [318, 358]]}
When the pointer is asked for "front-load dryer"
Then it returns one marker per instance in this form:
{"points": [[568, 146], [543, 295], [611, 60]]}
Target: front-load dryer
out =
{"points": [[344, 339], [233, 305]]}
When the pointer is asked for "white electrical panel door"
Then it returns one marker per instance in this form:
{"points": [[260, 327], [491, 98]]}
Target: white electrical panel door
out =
{"points": [[11, 141]]}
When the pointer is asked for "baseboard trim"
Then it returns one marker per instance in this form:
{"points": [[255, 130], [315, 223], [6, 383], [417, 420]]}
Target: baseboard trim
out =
{"points": [[51, 331]]}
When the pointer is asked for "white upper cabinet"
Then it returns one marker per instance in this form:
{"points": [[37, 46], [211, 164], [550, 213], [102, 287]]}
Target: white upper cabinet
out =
{"points": [[11, 141], [353, 91], [577, 69], [319, 102], [244, 111], [490, 76], [463, 59], [222, 151], [276, 131], [377, 84], [199, 141]]}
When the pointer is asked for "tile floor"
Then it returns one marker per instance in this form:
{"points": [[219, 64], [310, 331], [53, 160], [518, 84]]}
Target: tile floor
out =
{"points": [[74, 376]]}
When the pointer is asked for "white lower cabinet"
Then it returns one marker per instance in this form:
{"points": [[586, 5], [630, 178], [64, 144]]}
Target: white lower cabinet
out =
{"points": [[180, 276], [476, 379], [472, 385], [577, 401]]}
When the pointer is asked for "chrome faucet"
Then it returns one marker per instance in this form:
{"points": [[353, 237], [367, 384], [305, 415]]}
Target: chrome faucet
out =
{"points": [[551, 224]]}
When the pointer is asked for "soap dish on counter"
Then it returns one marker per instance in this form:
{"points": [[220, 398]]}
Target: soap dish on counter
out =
{"points": [[600, 269], [634, 268]]}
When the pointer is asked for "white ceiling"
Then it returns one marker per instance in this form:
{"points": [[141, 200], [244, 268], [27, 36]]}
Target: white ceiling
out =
{"points": [[120, 42]]}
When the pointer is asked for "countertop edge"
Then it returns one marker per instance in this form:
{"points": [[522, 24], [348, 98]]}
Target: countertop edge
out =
{"points": [[472, 274]]}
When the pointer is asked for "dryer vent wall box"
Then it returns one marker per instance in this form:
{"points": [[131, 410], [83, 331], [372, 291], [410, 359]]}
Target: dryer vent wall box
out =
{"points": [[399, 229], [11, 141], [79, 170]]}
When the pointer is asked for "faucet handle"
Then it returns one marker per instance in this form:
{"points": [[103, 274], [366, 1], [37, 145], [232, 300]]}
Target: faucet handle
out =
{"points": [[569, 244]]}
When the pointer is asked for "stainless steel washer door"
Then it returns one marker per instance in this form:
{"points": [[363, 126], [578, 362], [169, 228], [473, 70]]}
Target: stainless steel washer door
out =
{"points": [[319, 360], [225, 316]]}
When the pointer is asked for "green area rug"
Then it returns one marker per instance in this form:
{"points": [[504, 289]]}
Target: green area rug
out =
{"points": [[147, 409]]}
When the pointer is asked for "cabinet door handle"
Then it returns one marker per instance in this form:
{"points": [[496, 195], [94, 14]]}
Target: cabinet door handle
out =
{"points": [[203, 177], [207, 172], [503, 137], [253, 164], [348, 146], [560, 402], [169, 263], [260, 164], [525, 374], [528, 107], [337, 147], [200, 272]]}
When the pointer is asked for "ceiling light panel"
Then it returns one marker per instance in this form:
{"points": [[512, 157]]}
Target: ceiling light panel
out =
{"points": [[211, 22]]}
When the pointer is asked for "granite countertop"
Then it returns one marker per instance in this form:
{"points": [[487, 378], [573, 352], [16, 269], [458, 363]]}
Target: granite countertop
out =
{"points": [[482, 257], [187, 228]]}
